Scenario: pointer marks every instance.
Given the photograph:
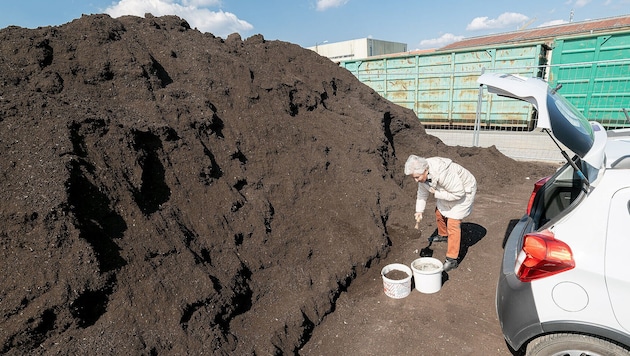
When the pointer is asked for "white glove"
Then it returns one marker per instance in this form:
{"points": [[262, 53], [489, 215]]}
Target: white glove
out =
{"points": [[418, 217]]}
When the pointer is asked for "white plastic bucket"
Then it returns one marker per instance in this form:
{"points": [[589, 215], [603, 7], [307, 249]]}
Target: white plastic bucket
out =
{"points": [[427, 274], [396, 288]]}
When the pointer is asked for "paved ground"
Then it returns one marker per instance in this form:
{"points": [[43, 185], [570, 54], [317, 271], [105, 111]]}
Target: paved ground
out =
{"points": [[522, 146]]}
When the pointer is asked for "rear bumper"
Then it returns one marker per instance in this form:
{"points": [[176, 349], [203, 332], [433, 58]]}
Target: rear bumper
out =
{"points": [[516, 309]]}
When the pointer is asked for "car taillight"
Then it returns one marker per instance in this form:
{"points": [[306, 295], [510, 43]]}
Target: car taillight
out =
{"points": [[537, 187], [542, 256]]}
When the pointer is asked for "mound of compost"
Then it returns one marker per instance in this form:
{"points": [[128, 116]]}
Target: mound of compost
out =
{"points": [[168, 191]]}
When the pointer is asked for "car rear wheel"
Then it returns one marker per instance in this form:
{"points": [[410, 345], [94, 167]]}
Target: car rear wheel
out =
{"points": [[573, 345]]}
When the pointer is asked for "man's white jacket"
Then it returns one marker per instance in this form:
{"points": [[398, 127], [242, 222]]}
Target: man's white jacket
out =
{"points": [[454, 186]]}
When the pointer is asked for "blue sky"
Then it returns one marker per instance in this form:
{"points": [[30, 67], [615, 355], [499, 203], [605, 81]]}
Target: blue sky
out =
{"points": [[419, 24]]}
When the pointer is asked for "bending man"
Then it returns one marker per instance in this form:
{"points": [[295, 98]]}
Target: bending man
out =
{"points": [[454, 188]]}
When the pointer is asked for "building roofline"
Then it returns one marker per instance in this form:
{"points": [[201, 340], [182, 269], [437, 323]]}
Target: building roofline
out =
{"points": [[605, 25]]}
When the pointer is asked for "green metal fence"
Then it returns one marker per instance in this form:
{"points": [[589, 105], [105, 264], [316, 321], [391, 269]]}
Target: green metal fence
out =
{"points": [[441, 88], [595, 76]]}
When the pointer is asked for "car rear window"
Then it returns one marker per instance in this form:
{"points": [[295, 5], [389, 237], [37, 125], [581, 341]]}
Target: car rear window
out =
{"points": [[569, 125]]}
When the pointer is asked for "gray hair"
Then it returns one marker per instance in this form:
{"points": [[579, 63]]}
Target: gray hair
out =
{"points": [[415, 164]]}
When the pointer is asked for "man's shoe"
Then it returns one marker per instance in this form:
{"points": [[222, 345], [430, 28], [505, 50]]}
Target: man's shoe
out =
{"points": [[450, 263], [438, 238]]}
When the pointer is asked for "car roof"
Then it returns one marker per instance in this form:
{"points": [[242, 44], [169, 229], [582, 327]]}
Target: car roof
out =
{"points": [[555, 114], [618, 149]]}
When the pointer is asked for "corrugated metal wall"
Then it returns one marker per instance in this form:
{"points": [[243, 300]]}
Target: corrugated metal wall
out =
{"points": [[441, 88], [595, 75], [505, 113]]}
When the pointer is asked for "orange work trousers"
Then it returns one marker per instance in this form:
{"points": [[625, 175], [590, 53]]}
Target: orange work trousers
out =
{"points": [[452, 229]]}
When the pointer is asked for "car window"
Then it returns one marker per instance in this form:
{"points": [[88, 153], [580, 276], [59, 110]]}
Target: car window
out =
{"points": [[569, 125]]}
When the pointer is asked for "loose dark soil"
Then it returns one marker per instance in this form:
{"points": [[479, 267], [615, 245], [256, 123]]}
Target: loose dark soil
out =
{"points": [[169, 192], [396, 275]]}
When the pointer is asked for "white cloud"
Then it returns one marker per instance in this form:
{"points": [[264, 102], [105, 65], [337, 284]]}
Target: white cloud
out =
{"points": [[195, 12], [581, 3], [323, 5], [505, 20], [441, 41], [553, 23], [201, 3]]}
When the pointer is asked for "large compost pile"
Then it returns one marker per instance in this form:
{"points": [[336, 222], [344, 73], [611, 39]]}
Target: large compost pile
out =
{"points": [[168, 191]]}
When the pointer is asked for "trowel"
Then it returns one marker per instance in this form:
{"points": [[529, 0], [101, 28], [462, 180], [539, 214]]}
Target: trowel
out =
{"points": [[427, 251]]}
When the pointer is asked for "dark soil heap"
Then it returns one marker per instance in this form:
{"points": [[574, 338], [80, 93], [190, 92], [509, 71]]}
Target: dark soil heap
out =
{"points": [[168, 191]]}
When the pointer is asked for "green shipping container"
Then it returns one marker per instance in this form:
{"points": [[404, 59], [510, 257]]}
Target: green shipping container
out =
{"points": [[595, 76], [442, 88]]}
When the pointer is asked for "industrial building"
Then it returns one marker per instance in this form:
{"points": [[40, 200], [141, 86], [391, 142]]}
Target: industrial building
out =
{"points": [[357, 49]]}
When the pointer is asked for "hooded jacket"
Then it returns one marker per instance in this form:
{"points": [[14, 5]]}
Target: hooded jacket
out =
{"points": [[455, 188]]}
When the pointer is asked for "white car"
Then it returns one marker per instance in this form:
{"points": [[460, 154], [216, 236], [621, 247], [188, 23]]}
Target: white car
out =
{"points": [[564, 286]]}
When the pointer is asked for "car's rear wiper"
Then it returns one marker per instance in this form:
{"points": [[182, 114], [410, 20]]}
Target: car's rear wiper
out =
{"points": [[569, 160]]}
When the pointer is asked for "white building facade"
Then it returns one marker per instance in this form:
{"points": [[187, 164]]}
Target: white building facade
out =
{"points": [[357, 49]]}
